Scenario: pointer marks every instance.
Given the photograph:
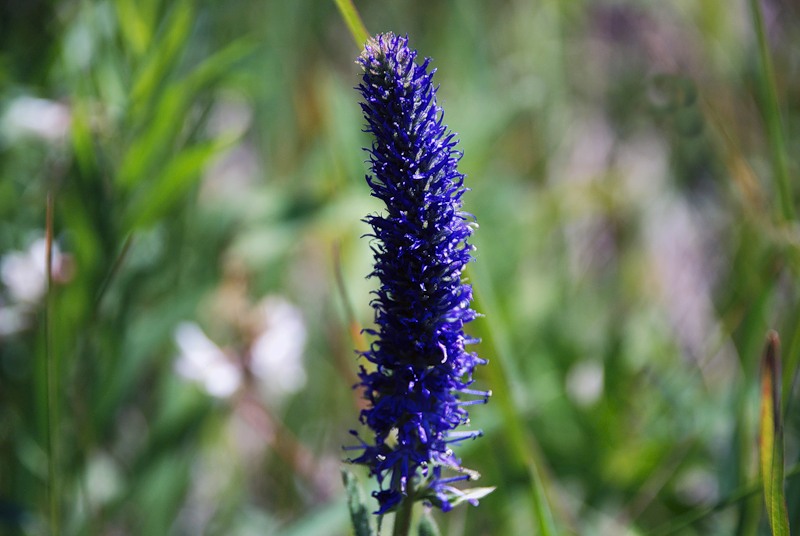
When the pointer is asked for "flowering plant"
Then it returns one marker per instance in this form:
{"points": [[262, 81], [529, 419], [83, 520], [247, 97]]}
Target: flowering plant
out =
{"points": [[422, 372]]}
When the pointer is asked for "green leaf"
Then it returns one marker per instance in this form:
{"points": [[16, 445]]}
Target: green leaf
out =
{"points": [[174, 182], [152, 146], [163, 54], [218, 64], [135, 29], [359, 513], [155, 143], [771, 437], [772, 114], [82, 142]]}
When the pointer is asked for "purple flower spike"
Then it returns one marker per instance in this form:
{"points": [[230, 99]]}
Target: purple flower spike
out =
{"points": [[422, 371]]}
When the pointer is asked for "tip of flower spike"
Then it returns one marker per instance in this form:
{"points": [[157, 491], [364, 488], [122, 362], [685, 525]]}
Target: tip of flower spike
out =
{"points": [[376, 43], [382, 47]]}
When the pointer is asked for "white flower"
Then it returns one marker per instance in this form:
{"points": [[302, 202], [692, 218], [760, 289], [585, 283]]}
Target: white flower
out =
{"points": [[40, 118], [584, 382], [204, 362], [24, 272], [277, 351]]}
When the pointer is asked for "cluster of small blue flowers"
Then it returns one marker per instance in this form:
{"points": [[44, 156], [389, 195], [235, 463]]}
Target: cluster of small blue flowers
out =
{"points": [[422, 371]]}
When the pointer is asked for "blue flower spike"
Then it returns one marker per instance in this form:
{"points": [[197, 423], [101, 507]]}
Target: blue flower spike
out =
{"points": [[419, 385]]}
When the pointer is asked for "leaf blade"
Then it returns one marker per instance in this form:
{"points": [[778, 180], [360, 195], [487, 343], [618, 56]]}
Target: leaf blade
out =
{"points": [[359, 514]]}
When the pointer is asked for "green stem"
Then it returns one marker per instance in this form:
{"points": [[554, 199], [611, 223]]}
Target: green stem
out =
{"points": [[772, 115], [353, 21], [402, 519], [50, 380]]}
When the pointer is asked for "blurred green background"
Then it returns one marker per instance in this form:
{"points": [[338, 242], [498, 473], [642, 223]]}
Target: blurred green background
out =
{"points": [[205, 166]]}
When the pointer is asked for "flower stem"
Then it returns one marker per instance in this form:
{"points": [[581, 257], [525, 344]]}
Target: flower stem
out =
{"points": [[402, 519]]}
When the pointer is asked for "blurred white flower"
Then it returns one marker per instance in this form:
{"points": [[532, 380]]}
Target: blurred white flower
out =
{"points": [[103, 478], [24, 272], [584, 382], [277, 350], [202, 361], [39, 118]]}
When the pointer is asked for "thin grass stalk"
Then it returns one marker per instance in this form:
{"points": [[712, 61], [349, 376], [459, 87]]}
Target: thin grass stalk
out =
{"points": [[51, 368], [353, 21], [772, 115]]}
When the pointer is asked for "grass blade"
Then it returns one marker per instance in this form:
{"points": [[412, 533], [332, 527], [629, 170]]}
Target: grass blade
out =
{"points": [[134, 28], [771, 438], [772, 115]]}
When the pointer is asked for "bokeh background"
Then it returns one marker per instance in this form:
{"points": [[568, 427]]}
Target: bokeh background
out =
{"points": [[208, 284]]}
